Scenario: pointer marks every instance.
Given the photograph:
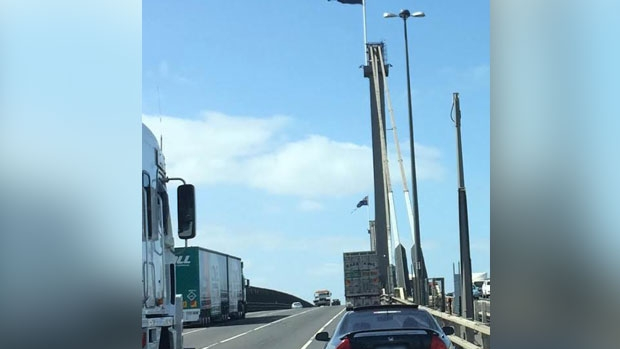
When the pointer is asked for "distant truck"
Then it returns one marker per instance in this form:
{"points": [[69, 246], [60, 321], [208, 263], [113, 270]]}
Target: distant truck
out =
{"points": [[322, 297], [486, 288], [478, 279], [361, 279], [212, 285]]}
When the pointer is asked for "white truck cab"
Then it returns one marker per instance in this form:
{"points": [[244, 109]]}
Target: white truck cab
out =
{"points": [[162, 310], [486, 288]]}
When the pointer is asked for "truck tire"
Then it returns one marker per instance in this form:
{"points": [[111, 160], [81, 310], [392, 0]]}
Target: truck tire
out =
{"points": [[165, 339], [241, 311]]}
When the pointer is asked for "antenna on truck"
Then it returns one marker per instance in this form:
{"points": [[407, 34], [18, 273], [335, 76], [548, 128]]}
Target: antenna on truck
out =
{"points": [[161, 129]]}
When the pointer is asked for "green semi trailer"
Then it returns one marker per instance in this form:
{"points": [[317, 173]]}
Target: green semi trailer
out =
{"points": [[212, 285]]}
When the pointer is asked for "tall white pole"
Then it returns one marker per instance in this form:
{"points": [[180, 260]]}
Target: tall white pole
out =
{"points": [[398, 152], [364, 19], [394, 226]]}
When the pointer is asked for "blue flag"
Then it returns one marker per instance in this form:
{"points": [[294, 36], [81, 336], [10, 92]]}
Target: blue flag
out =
{"points": [[351, 2], [364, 201]]}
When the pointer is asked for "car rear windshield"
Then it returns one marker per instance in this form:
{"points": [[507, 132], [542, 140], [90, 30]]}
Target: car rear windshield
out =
{"points": [[387, 319]]}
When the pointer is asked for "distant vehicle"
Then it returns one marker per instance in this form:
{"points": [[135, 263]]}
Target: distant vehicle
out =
{"points": [[212, 285], [361, 279], [296, 305], [336, 301], [476, 292], [388, 326], [486, 288], [322, 297], [478, 279]]}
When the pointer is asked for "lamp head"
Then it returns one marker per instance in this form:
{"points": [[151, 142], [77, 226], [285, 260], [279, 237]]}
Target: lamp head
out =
{"points": [[404, 14]]}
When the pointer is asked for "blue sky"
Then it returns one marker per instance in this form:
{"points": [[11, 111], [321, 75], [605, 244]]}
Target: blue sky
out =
{"points": [[264, 108]]}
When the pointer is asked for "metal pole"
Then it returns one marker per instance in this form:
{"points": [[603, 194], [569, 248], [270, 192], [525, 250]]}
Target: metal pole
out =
{"points": [[377, 107], [418, 287], [364, 20], [467, 296]]}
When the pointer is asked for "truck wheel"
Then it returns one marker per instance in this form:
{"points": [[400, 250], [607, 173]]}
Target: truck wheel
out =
{"points": [[165, 339], [240, 311]]}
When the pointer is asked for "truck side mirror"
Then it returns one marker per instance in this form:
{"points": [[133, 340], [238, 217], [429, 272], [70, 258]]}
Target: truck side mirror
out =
{"points": [[186, 211], [247, 282]]}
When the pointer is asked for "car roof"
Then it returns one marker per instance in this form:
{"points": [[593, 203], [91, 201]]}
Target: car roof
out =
{"points": [[360, 316], [386, 307]]}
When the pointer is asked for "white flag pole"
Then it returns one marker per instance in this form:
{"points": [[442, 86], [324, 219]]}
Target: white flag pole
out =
{"points": [[364, 19]]}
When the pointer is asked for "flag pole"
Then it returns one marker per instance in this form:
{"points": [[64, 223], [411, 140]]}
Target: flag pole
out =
{"points": [[364, 19], [368, 209]]}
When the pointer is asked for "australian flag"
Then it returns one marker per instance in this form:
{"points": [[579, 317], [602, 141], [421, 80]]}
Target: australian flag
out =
{"points": [[364, 201], [351, 2]]}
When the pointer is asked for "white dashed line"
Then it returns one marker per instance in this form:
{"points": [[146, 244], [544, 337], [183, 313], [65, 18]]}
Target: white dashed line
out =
{"points": [[237, 336], [256, 329], [321, 330], [188, 332]]}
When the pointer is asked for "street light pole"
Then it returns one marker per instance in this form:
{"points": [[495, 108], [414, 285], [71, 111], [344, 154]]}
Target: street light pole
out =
{"points": [[466, 283], [418, 287], [419, 284]]}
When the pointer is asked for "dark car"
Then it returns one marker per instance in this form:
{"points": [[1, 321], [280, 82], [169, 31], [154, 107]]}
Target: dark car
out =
{"points": [[336, 301], [388, 327]]}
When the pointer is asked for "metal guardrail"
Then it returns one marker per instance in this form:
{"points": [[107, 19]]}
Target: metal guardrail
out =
{"points": [[479, 333], [258, 306], [482, 311]]}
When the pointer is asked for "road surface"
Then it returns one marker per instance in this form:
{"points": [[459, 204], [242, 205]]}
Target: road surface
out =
{"points": [[287, 329]]}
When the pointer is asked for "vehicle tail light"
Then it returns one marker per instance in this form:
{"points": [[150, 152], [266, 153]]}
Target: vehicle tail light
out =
{"points": [[344, 344], [437, 343], [143, 339]]}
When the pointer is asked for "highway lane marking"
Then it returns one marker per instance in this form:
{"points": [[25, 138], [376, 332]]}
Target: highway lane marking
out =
{"points": [[188, 332], [267, 314], [321, 329], [231, 338], [255, 315], [256, 329]]}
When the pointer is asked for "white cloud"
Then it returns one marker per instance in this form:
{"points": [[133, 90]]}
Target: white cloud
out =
{"points": [[253, 241], [428, 163], [313, 167], [217, 148]]}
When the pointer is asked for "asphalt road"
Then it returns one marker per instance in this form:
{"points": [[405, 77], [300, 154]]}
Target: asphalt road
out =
{"points": [[285, 329]]}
